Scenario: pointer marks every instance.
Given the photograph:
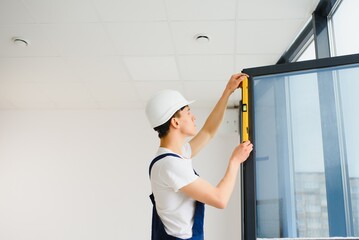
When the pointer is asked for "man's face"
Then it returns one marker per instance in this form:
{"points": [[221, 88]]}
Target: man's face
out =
{"points": [[187, 122]]}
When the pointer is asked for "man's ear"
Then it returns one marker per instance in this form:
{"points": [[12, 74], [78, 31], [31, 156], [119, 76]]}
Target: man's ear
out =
{"points": [[174, 123]]}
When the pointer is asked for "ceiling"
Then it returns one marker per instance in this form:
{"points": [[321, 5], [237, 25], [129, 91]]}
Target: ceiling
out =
{"points": [[114, 54]]}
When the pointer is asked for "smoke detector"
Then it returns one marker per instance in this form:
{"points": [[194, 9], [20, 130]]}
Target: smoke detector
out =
{"points": [[202, 39], [21, 42]]}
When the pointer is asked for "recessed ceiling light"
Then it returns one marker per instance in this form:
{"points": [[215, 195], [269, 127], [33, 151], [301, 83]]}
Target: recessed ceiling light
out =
{"points": [[21, 42], [202, 39]]}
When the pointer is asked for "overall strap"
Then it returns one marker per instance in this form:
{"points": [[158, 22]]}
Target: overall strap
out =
{"points": [[158, 230], [160, 157]]}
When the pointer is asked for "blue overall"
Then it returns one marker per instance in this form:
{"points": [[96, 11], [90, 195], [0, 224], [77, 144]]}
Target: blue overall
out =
{"points": [[158, 229]]}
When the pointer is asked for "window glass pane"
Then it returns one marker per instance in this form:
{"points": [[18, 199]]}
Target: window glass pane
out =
{"points": [[310, 190], [308, 53], [293, 171], [345, 23], [348, 87]]}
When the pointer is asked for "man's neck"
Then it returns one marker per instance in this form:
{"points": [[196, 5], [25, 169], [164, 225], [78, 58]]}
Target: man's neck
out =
{"points": [[173, 143]]}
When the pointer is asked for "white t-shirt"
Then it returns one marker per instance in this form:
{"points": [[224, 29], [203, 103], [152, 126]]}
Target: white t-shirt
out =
{"points": [[175, 209]]}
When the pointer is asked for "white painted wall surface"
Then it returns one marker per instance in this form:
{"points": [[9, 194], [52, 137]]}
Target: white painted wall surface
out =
{"points": [[83, 175]]}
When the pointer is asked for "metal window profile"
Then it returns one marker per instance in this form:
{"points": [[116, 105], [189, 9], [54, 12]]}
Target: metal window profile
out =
{"points": [[249, 215], [317, 27]]}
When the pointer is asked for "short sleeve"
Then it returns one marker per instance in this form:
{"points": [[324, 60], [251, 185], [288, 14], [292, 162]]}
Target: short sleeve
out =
{"points": [[178, 172]]}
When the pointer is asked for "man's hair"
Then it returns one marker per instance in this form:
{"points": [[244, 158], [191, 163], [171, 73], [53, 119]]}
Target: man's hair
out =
{"points": [[164, 128]]}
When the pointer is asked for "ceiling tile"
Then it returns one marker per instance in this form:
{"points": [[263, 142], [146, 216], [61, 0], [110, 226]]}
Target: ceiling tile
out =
{"points": [[98, 69], [267, 36], [207, 93], [14, 11], [69, 95], [87, 39], [35, 34], [210, 67], [115, 90], [201, 9], [275, 9], [249, 61], [141, 38], [147, 89], [25, 95], [117, 53], [64, 11], [134, 10], [221, 34], [114, 95], [35, 70], [152, 68], [204, 91]]}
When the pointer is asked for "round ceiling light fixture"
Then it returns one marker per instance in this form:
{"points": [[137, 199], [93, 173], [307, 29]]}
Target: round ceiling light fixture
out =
{"points": [[21, 42], [202, 39]]}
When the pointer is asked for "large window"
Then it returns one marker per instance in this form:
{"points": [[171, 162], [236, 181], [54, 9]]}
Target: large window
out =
{"points": [[344, 22], [291, 174], [306, 159], [347, 90], [333, 25], [308, 53], [303, 178]]}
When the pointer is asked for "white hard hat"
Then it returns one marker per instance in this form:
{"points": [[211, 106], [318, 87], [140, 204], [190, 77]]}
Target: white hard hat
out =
{"points": [[161, 107]]}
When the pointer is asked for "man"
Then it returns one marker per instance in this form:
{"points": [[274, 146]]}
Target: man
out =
{"points": [[179, 194]]}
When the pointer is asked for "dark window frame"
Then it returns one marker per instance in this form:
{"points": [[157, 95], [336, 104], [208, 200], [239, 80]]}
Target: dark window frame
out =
{"points": [[317, 29], [248, 181]]}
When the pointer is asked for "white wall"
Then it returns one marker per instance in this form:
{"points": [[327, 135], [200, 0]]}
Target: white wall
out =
{"points": [[84, 175]]}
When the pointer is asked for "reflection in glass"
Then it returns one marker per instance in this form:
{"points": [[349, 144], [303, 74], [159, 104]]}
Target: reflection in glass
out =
{"points": [[293, 183], [348, 85], [344, 22]]}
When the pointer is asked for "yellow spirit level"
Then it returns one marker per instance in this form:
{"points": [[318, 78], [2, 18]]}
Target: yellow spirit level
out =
{"points": [[245, 111]]}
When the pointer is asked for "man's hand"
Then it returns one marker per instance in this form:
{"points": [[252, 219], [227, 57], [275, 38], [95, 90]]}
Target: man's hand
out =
{"points": [[241, 152], [235, 81], [215, 118]]}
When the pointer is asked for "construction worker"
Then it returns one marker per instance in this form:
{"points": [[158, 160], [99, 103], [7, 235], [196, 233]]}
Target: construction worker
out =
{"points": [[179, 194]]}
